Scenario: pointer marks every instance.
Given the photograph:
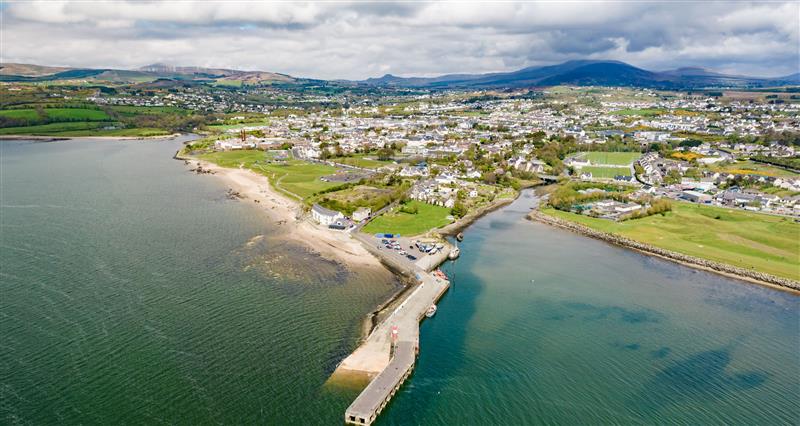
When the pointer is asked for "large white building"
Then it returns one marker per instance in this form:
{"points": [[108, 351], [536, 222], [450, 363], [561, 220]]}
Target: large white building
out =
{"points": [[325, 216]]}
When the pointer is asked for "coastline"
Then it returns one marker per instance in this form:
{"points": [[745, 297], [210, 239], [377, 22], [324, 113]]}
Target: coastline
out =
{"points": [[463, 223], [730, 271], [287, 213], [108, 138]]}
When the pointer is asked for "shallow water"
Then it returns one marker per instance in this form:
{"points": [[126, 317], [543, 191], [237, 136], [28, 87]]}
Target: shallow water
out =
{"points": [[134, 291]]}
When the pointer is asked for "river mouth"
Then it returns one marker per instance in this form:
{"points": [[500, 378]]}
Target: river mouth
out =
{"points": [[545, 326]]}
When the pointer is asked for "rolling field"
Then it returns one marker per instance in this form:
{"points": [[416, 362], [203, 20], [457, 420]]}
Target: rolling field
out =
{"points": [[296, 178], [615, 158], [23, 114], [753, 168], [76, 114], [765, 243], [606, 172], [428, 217], [53, 129]]}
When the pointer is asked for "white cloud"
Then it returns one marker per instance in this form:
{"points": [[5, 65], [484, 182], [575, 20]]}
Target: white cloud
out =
{"points": [[359, 40]]}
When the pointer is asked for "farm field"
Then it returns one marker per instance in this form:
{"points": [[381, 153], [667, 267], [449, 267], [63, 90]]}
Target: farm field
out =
{"points": [[615, 158], [765, 243], [61, 129], [58, 114], [428, 217], [296, 178], [22, 114], [606, 172], [751, 167]]}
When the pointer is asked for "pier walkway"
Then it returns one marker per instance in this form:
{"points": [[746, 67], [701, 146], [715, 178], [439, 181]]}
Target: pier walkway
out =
{"points": [[377, 356]]}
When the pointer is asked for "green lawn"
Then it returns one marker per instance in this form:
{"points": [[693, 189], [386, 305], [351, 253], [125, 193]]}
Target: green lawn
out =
{"points": [[616, 158], [606, 172], [296, 178], [765, 243], [428, 217], [360, 161]]}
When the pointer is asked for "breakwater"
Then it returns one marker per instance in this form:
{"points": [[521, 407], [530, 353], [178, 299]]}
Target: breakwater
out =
{"points": [[710, 265]]}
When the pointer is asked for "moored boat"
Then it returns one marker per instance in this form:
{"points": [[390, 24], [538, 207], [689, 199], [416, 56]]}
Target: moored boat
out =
{"points": [[431, 311], [454, 253]]}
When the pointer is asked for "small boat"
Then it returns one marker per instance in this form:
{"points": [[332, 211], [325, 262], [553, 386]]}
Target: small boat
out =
{"points": [[431, 311], [454, 253], [460, 236]]}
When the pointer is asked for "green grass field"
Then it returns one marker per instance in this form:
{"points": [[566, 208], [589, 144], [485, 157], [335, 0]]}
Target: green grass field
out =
{"points": [[428, 217], [24, 114], [606, 172], [765, 243], [751, 167], [616, 158], [647, 112], [296, 178], [76, 114], [53, 128], [360, 161]]}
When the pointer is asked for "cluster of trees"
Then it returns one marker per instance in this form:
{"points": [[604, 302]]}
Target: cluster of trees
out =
{"points": [[788, 162], [566, 197], [660, 206]]}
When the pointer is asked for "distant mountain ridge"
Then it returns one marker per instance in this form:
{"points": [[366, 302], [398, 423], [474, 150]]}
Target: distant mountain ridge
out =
{"points": [[28, 72], [585, 73], [578, 72]]}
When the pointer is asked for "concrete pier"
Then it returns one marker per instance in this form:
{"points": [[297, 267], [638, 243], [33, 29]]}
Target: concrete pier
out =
{"points": [[390, 366]]}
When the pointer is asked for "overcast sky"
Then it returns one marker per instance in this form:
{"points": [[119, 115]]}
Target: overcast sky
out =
{"points": [[359, 40]]}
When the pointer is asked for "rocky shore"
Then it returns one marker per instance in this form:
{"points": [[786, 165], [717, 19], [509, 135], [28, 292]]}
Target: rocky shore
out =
{"points": [[696, 262]]}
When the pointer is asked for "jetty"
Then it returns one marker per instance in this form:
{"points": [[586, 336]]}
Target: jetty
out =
{"points": [[389, 353]]}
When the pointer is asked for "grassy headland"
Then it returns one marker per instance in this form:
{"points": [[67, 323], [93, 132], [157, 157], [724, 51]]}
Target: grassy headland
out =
{"points": [[765, 243]]}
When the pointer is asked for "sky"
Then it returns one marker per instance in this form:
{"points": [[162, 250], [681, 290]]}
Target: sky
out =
{"points": [[356, 40]]}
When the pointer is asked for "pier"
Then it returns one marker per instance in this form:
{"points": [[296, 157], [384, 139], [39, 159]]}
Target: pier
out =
{"points": [[390, 360]]}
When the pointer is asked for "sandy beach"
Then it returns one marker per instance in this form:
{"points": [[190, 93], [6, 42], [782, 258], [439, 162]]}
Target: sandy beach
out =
{"points": [[331, 244]]}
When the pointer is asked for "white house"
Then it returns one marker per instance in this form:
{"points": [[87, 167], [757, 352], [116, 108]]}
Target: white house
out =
{"points": [[361, 213], [325, 216]]}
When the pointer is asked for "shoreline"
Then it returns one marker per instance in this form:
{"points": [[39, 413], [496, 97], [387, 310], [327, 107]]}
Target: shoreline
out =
{"points": [[101, 138], [730, 271], [464, 223], [252, 187]]}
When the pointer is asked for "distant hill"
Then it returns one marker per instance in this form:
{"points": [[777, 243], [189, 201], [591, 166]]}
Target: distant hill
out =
{"points": [[584, 73], [581, 73], [148, 73]]}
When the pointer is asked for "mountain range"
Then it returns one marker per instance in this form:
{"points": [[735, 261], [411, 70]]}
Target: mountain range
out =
{"points": [[580, 73], [586, 73]]}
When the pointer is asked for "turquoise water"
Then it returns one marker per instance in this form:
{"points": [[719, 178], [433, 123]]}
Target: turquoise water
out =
{"points": [[132, 291], [601, 335]]}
